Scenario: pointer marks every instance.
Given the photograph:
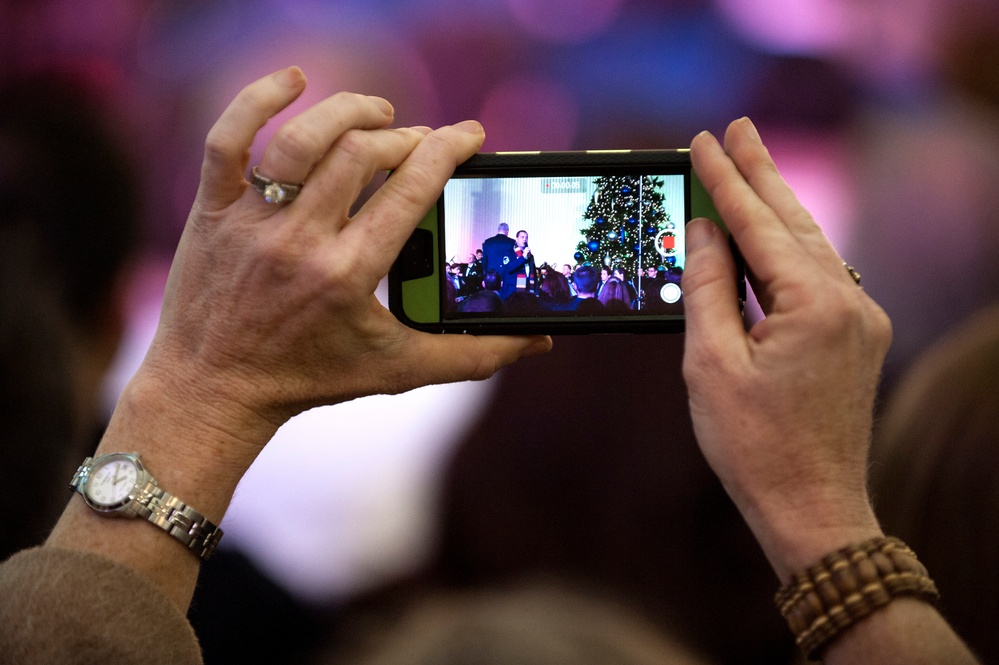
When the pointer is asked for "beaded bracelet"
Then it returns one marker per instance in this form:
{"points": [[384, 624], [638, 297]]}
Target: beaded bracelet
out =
{"points": [[848, 585]]}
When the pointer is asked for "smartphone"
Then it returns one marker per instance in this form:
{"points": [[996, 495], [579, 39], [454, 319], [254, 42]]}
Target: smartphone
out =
{"points": [[553, 243]]}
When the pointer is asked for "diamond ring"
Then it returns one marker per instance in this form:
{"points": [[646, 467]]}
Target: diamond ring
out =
{"points": [[273, 191]]}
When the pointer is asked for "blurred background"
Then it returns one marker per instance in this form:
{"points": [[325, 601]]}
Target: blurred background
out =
{"points": [[880, 113]]}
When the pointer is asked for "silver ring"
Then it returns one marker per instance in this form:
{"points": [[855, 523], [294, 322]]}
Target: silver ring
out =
{"points": [[853, 273], [273, 191]]}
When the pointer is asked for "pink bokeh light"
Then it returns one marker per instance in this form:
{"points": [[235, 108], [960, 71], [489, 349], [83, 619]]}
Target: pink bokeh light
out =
{"points": [[565, 22], [529, 114]]}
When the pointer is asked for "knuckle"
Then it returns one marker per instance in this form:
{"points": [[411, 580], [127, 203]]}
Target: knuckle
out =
{"points": [[349, 104], [703, 360], [848, 310], [412, 189], [759, 163], [355, 145], [738, 207], [252, 98], [345, 97], [840, 312], [485, 366], [296, 142], [881, 327], [335, 274], [220, 144]]}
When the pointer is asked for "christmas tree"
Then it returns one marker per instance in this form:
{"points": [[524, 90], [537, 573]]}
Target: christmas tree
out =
{"points": [[627, 220]]}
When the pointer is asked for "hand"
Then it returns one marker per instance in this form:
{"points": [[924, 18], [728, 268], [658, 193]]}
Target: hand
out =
{"points": [[782, 412], [270, 310]]}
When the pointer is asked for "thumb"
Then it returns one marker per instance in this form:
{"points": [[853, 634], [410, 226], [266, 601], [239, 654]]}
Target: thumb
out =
{"points": [[710, 292], [448, 358]]}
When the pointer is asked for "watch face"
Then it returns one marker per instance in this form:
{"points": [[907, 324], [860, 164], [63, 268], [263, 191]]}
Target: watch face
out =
{"points": [[111, 480]]}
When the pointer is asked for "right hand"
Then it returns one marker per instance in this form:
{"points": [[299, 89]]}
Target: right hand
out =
{"points": [[782, 412], [270, 310]]}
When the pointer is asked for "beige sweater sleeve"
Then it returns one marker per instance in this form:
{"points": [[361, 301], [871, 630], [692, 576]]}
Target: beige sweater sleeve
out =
{"points": [[64, 606]]}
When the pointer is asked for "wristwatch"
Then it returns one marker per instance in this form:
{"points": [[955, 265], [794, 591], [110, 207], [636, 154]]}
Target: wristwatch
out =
{"points": [[117, 484]]}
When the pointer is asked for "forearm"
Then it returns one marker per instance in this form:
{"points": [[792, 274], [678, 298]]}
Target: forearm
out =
{"points": [[198, 462], [782, 413], [907, 632], [809, 527]]}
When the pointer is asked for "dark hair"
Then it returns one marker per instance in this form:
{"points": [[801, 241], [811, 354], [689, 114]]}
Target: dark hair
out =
{"points": [[522, 302], [69, 210], [450, 294], [556, 287], [528, 623], [586, 279], [935, 474], [65, 179], [482, 301], [492, 281], [615, 290]]}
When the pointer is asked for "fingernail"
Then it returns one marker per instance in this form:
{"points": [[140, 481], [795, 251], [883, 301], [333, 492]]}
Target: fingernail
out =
{"points": [[705, 137], [750, 129], [383, 105], [700, 233], [539, 346], [290, 77], [470, 126]]}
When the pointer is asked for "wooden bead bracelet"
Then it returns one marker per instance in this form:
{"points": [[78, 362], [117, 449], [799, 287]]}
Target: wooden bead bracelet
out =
{"points": [[848, 585]]}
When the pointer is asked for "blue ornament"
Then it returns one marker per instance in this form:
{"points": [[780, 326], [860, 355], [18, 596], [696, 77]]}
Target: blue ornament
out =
{"points": [[600, 220], [612, 235], [651, 230], [626, 190], [632, 221], [578, 256], [593, 245]]}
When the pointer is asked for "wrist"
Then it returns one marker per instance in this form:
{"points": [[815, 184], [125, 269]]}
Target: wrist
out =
{"points": [[848, 585], [197, 447], [798, 535], [196, 453]]}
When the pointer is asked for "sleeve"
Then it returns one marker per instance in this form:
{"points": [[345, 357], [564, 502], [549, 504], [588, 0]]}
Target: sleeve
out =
{"points": [[65, 606]]}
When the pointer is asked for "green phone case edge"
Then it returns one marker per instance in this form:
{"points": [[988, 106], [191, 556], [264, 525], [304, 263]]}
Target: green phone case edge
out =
{"points": [[420, 300], [420, 297]]}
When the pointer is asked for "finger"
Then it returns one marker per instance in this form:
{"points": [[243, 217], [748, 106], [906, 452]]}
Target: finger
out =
{"points": [[743, 144], [385, 222], [449, 358], [302, 141], [228, 143], [710, 293], [765, 241], [350, 165]]}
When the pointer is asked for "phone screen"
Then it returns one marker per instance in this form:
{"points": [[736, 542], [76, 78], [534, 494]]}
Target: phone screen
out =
{"points": [[553, 243], [570, 246]]}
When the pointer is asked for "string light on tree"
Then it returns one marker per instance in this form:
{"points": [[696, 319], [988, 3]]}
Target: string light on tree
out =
{"points": [[626, 215]]}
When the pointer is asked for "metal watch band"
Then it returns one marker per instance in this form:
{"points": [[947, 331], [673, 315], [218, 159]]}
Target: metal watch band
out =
{"points": [[178, 519], [150, 502]]}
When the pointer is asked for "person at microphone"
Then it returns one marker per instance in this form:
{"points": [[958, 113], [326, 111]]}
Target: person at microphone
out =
{"points": [[525, 277]]}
